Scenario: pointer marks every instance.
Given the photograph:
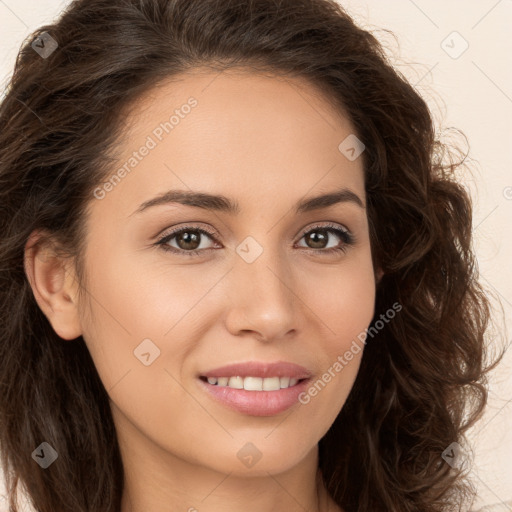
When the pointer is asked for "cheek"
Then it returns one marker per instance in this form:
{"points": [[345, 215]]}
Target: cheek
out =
{"points": [[344, 306], [140, 331], [127, 305], [342, 298], [140, 308], [136, 297]]}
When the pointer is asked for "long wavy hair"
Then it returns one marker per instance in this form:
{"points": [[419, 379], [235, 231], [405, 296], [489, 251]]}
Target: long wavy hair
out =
{"points": [[423, 378]]}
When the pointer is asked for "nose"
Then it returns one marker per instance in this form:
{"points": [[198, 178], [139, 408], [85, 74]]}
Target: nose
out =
{"points": [[264, 298]]}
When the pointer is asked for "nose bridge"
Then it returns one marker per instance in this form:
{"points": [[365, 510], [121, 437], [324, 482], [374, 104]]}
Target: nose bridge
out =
{"points": [[261, 286], [261, 265]]}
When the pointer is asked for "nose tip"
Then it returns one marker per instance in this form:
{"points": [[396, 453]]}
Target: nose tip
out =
{"points": [[262, 301]]}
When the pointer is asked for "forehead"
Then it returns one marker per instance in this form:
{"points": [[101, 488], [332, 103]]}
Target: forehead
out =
{"points": [[236, 82], [246, 135]]}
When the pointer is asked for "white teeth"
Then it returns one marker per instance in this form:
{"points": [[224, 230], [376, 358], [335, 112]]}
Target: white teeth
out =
{"points": [[236, 382], [254, 383], [271, 384]]}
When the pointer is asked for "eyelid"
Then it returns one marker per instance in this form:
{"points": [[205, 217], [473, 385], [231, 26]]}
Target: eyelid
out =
{"points": [[325, 225], [187, 225]]}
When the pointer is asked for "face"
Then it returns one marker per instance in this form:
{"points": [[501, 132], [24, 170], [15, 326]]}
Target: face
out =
{"points": [[261, 283]]}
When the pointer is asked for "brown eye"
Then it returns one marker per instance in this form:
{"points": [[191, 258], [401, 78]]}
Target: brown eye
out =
{"points": [[188, 241], [318, 238]]}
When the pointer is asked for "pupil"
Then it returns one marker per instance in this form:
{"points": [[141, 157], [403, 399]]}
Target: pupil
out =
{"points": [[187, 237], [318, 239]]}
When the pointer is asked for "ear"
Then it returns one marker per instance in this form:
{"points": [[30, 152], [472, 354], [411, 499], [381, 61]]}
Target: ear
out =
{"points": [[54, 284], [378, 275]]}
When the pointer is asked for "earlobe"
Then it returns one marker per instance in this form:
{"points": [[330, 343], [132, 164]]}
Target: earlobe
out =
{"points": [[53, 284], [378, 275]]}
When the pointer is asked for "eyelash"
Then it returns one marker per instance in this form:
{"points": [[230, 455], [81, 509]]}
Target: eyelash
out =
{"points": [[347, 239]]}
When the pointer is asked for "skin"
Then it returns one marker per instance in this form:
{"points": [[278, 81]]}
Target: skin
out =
{"points": [[266, 142]]}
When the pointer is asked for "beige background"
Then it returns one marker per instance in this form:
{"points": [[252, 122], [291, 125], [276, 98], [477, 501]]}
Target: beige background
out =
{"points": [[470, 90]]}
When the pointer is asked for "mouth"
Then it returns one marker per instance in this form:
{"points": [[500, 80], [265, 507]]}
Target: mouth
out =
{"points": [[254, 396], [253, 383]]}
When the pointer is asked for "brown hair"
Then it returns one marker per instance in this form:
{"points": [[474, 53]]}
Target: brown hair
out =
{"points": [[421, 382]]}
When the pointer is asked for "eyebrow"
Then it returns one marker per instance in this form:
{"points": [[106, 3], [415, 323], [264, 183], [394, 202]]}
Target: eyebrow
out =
{"points": [[221, 203]]}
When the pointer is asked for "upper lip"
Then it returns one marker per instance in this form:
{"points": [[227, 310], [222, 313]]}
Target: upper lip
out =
{"points": [[260, 369]]}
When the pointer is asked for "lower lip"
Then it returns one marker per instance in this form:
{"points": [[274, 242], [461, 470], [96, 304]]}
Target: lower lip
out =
{"points": [[256, 403]]}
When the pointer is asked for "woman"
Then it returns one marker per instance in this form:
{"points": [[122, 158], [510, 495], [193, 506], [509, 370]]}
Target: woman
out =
{"points": [[237, 268]]}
